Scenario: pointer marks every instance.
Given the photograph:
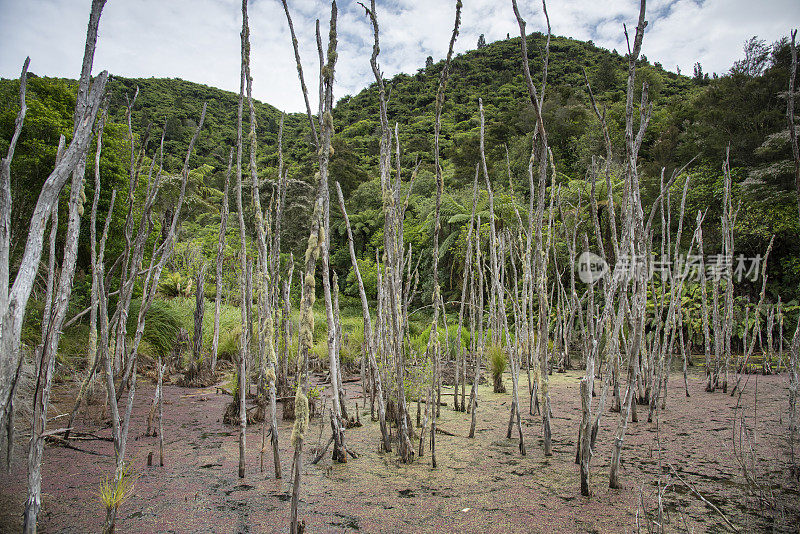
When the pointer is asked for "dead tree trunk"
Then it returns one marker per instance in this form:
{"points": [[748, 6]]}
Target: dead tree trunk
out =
{"points": [[223, 226], [199, 311], [499, 292], [443, 78], [316, 240], [477, 310], [57, 309], [161, 369], [467, 276], [386, 443], [539, 265], [393, 249], [96, 273], [790, 102], [633, 243], [160, 254], [794, 366], [587, 386], [283, 380], [14, 298], [709, 365], [266, 319]]}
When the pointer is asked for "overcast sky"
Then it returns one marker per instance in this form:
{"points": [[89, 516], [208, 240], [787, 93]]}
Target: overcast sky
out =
{"points": [[198, 40]]}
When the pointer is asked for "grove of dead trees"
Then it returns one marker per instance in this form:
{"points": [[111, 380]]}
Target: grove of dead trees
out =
{"points": [[519, 298]]}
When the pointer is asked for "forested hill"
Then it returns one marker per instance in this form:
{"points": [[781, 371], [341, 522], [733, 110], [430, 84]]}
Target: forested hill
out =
{"points": [[176, 105], [692, 117], [494, 73]]}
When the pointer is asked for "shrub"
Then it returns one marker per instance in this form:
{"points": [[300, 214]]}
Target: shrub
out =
{"points": [[497, 362], [162, 324]]}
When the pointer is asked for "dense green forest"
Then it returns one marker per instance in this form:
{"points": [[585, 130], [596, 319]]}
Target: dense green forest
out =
{"points": [[694, 119]]}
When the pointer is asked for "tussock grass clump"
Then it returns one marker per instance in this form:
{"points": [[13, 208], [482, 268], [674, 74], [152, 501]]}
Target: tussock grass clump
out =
{"points": [[497, 362], [162, 324], [182, 310], [114, 492]]}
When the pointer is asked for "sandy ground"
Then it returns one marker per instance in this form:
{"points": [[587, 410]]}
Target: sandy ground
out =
{"points": [[481, 484]]}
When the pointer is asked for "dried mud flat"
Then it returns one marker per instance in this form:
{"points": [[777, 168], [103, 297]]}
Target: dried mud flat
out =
{"points": [[481, 484]]}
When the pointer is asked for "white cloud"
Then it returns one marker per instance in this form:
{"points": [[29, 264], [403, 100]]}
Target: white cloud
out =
{"points": [[198, 40]]}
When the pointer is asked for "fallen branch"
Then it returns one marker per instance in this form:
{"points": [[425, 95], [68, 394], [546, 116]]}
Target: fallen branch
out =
{"points": [[64, 443], [709, 503], [54, 432]]}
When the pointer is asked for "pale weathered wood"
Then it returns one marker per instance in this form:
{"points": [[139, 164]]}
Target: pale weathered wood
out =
{"points": [[97, 271], [315, 242], [56, 310], [440, 92], [199, 312], [391, 290], [386, 443], [13, 301], [499, 292], [466, 277], [223, 226], [266, 320], [790, 103], [477, 309], [244, 304]]}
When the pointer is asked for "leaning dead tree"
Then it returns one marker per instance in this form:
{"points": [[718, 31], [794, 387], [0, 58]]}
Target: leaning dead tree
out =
{"points": [[93, 362], [369, 341], [338, 409], [14, 297], [56, 301], [160, 254]]}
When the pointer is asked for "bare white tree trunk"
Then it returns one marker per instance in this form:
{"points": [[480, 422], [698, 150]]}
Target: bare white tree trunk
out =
{"points": [[160, 387], [56, 311], [478, 344], [316, 241], [633, 242], [120, 424], [13, 301], [266, 319], [794, 365], [223, 226], [790, 102], [467, 276], [199, 312], [386, 443], [244, 341], [393, 249]]}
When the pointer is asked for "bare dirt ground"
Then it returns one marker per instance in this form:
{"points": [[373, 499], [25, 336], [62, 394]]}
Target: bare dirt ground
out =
{"points": [[481, 484]]}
